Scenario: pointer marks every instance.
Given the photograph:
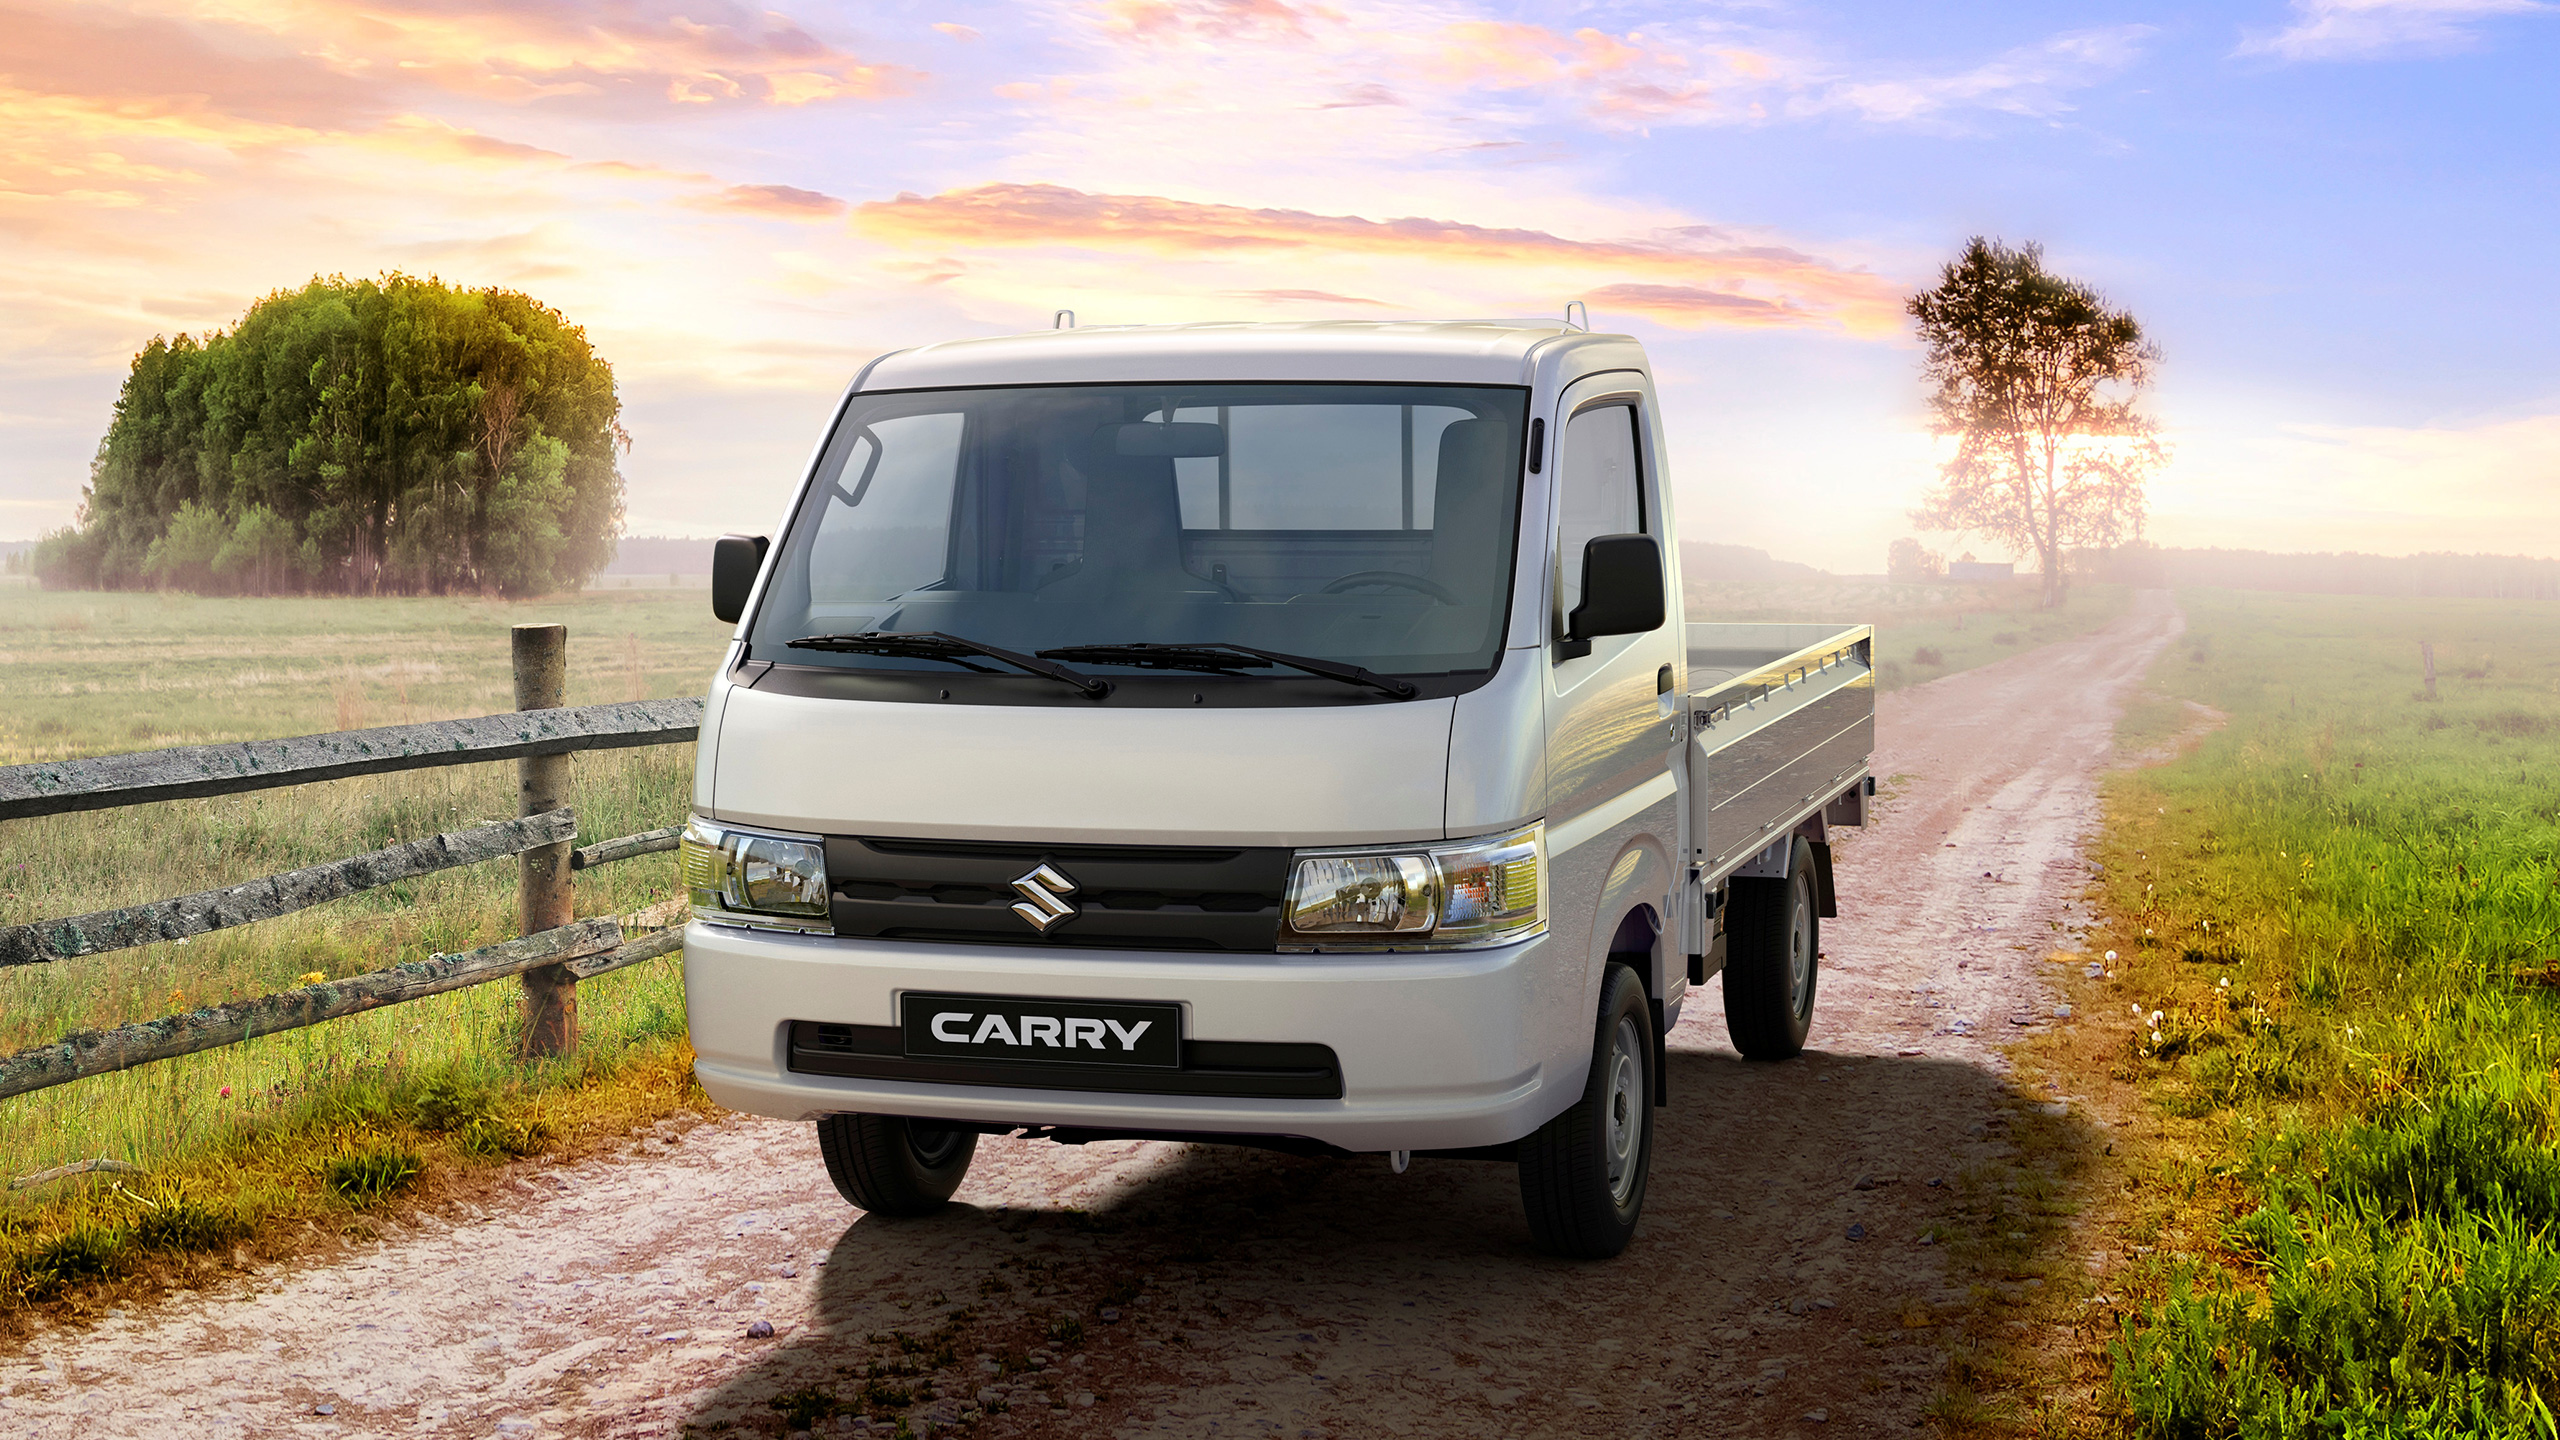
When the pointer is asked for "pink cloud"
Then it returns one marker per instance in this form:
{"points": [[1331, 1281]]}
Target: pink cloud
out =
{"points": [[786, 202], [1306, 297], [335, 64], [1799, 288], [1690, 305], [1264, 20], [164, 67]]}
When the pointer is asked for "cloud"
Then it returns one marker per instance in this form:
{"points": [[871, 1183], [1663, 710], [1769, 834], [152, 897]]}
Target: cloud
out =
{"points": [[1354, 97], [2029, 80], [2374, 29], [1306, 297], [1214, 20], [1796, 287], [784, 201], [146, 66], [330, 64], [1689, 306]]}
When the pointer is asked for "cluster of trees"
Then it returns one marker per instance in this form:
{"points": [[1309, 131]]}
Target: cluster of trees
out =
{"points": [[2038, 382], [368, 436]]}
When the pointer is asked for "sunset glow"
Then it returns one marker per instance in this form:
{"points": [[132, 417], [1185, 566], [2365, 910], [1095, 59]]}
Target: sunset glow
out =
{"points": [[2322, 211]]}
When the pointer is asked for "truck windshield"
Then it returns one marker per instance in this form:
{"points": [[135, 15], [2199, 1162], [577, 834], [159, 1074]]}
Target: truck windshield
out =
{"points": [[1367, 524]]}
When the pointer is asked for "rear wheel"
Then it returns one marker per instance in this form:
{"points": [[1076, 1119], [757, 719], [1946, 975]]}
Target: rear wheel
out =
{"points": [[1582, 1174], [890, 1165], [1775, 938]]}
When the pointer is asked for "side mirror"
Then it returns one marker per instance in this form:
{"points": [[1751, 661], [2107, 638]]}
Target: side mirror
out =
{"points": [[735, 559], [1621, 591]]}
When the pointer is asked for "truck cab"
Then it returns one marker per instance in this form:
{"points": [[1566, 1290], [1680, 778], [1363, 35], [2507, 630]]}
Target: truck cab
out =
{"points": [[1273, 734]]}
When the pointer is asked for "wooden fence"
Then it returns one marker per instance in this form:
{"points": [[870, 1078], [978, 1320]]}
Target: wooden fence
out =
{"points": [[554, 952]]}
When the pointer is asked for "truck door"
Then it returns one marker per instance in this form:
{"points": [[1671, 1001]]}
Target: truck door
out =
{"points": [[1609, 779]]}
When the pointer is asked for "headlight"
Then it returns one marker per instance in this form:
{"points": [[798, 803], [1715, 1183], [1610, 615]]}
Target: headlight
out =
{"points": [[766, 882], [1436, 897]]}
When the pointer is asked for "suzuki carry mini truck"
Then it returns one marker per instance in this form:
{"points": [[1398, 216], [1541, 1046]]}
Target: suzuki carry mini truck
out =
{"points": [[1270, 734]]}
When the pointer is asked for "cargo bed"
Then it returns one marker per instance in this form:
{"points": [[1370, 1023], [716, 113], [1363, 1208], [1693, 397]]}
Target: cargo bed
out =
{"points": [[1782, 722]]}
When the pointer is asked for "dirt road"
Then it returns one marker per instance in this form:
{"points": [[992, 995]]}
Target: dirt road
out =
{"points": [[1145, 1289]]}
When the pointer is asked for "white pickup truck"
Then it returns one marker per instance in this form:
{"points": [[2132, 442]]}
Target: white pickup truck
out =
{"points": [[1262, 734]]}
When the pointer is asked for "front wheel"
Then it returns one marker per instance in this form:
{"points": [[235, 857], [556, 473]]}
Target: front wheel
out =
{"points": [[890, 1165], [1582, 1174], [1775, 934]]}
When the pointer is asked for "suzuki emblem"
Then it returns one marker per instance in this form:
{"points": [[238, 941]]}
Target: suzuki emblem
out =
{"points": [[1044, 893]]}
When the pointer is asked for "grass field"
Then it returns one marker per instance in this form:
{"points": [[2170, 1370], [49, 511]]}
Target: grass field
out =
{"points": [[2323, 913], [1922, 631], [326, 1123]]}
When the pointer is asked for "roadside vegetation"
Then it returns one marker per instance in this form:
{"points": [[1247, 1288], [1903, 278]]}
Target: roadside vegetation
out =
{"points": [[2336, 994], [1923, 630], [266, 1147]]}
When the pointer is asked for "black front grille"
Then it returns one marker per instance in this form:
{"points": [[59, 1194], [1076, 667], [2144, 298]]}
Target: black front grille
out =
{"points": [[1232, 1068], [1129, 897]]}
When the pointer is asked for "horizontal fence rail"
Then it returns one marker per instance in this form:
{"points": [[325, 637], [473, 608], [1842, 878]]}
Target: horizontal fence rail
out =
{"points": [[44, 940], [648, 842], [97, 1052], [56, 787]]}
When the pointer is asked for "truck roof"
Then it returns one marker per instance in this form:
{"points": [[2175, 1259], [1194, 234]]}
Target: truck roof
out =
{"points": [[1456, 352]]}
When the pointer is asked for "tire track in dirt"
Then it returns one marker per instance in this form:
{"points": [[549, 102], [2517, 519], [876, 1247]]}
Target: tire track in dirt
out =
{"points": [[1235, 1292]]}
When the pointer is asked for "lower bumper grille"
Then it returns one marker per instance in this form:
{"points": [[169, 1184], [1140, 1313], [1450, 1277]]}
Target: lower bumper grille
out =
{"points": [[1235, 1069]]}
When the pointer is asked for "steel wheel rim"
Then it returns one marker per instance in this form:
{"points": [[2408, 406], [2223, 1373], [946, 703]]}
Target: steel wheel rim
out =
{"points": [[1623, 1120], [933, 1147], [1799, 946]]}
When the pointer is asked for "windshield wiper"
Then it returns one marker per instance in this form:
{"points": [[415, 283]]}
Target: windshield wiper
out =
{"points": [[934, 645], [1220, 655]]}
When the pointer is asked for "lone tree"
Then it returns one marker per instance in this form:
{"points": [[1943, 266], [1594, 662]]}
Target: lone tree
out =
{"points": [[2037, 380]]}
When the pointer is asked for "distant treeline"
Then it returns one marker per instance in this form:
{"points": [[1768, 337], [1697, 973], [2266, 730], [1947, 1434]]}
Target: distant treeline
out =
{"points": [[368, 436], [1704, 562], [2499, 577]]}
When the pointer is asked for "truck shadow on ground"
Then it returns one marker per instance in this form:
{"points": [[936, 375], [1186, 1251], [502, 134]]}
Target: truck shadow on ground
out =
{"points": [[1812, 1230]]}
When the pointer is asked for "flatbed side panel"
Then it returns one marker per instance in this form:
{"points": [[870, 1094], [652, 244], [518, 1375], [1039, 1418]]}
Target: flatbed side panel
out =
{"points": [[1774, 743]]}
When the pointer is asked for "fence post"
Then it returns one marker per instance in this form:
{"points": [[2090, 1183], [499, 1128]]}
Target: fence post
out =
{"points": [[541, 655]]}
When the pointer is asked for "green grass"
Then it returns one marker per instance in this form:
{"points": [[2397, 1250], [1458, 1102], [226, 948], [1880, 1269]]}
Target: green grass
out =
{"points": [[323, 1123], [87, 673], [2323, 911], [1922, 631]]}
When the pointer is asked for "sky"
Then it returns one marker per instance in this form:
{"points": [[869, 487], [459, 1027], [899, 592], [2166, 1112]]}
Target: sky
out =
{"points": [[2336, 218]]}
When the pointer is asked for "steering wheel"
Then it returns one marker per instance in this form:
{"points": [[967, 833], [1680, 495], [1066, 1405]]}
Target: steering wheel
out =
{"points": [[1357, 578]]}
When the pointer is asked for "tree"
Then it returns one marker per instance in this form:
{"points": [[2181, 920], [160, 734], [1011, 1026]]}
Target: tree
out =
{"points": [[358, 436], [1908, 561], [2038, 383]]}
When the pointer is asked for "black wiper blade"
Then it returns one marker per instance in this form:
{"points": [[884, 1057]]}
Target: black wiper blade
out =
{"points": [[1147, 656], [934, 645], [1223, 654]]}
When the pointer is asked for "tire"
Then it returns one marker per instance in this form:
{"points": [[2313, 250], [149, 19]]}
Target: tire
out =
{"points": [[890, 1165], [1582, 1174], [1775, 961]]}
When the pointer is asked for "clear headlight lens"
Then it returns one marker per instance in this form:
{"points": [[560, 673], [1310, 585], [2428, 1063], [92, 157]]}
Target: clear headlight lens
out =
{"points": [[1476, 893], [1363, 895], [746, 877]]}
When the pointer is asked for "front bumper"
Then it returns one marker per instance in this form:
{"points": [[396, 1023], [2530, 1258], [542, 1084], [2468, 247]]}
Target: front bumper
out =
{"points": [[1436, 1051]]}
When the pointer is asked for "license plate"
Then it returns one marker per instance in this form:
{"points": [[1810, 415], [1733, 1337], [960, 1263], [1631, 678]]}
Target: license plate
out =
{"points": [[1058, 1032]]}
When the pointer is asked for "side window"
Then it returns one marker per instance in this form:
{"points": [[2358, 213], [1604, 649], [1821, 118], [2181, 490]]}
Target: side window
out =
{"points": [[1600, 490], [902, 537]]}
